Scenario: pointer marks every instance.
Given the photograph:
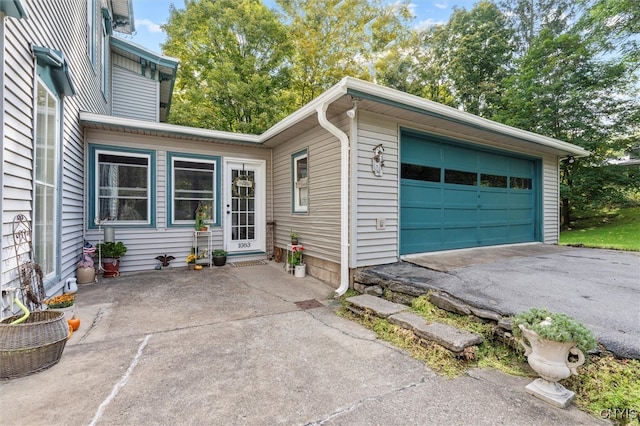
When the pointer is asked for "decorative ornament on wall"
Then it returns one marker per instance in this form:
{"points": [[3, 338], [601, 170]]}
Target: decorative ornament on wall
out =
{"points": [[377, 162]]}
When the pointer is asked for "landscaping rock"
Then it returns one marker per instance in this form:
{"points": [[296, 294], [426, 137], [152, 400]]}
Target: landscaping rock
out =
{"points": [[485, 314], [374, 290], [450, 337], [448, 303], [382, 308]]}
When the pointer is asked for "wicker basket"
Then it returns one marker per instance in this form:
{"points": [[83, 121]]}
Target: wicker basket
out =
{"points": [[33, 345]]}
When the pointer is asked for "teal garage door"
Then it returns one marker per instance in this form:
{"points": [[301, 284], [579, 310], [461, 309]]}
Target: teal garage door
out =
{"points": [[454, 196]]}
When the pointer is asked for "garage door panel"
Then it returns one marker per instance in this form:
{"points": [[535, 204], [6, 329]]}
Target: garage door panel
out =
{"points": [[454, 196]]}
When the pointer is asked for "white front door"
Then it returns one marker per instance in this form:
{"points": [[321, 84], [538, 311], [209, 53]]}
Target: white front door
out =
{"points": [[245, 206]]}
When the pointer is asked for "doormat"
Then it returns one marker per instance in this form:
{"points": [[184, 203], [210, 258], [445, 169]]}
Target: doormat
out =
{"points": [[247, 263], [308, 304]]}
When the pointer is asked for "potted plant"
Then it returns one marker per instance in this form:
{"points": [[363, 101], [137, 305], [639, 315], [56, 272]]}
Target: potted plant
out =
{"points": [[554, 345], [294, 260], [110, 253], [191, 261], [64, 303], [294, 238], [219, 257]]}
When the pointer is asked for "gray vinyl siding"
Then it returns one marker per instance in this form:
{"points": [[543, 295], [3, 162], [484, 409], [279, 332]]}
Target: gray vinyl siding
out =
{"points": [[134, 96], [42, 28], [144, 244], [319, 228], [377, 197]]}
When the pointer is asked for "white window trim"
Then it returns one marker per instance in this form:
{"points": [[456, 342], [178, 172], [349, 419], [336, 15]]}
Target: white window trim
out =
{"points": [[297, 185], [55, 185]]}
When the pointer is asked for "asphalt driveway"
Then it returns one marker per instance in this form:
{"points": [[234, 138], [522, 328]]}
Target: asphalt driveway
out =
{"points": [[600, 288], [227, 346]]}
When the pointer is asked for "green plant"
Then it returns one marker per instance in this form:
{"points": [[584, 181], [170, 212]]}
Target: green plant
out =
{"points": [[295, 256], [191, 258], [112, 250], [556, 327], [219, 252], [61, 301]]}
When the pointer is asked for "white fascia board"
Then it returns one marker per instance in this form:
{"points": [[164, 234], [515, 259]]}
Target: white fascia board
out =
{"points": [[331, 95], [426, 105], [166, 129]]}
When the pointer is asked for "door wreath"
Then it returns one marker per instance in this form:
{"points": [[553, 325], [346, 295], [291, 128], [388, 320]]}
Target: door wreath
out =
{"points": [[243, 187]]}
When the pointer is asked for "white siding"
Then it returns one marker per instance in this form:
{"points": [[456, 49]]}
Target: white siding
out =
{"points": [[134, 96], [144, 244], [377, 197], [43, 28], [551, 199], [319, 228]]}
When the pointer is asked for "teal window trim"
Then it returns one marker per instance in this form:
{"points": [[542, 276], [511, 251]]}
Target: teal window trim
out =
{"points": [[171, 156], [53, 69], [14, 9], [94, 150], [296, 205]]}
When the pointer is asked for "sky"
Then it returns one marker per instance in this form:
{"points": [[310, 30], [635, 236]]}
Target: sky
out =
{"points": [[150, 14]]}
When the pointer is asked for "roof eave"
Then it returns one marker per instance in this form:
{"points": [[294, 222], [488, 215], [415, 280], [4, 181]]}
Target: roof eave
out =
{"points": [[163, 129]]}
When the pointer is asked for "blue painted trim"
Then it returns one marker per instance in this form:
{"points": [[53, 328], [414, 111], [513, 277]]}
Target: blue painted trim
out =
{"points": [[248, 253], [169, 200], [294, 157], [93, 148], [144, 54], [55, 65], [13, 8]]}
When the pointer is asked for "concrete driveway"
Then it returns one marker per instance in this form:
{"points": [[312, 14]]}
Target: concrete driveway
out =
{"points": [[230, 346]]}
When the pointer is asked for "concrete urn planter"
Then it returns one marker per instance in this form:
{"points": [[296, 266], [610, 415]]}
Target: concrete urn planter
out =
{"points": [[550, 359]]}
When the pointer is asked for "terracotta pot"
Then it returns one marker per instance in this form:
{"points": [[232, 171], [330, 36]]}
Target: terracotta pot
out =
{"points": [[111, 268], [191, 266]]}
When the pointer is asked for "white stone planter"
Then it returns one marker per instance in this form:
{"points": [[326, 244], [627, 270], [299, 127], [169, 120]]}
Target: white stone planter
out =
{"points": [[550, 359], [300, 271]]}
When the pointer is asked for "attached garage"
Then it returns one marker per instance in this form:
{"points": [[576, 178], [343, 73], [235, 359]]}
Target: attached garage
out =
{"points": [[455, 195]]}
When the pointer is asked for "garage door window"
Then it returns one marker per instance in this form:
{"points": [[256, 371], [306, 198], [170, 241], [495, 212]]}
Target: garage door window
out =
{"points": [[459, 177], [424, 173], [493, 181], [520, 183]]}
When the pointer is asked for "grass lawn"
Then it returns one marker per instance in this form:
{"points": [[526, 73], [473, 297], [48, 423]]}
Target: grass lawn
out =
{"points": [[614, 229]]}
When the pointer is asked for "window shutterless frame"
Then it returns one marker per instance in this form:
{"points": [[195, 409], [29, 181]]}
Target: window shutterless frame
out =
{"points": [[300, 182]]}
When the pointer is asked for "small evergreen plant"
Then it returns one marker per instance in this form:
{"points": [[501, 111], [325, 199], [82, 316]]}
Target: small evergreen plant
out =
{"points": [[556, 327]]}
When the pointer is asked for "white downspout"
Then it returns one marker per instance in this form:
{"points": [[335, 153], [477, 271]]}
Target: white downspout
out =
{"points": [[344, 196]]}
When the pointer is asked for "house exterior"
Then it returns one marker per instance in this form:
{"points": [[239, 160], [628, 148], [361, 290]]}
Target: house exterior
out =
{"points": [[365, 174]]}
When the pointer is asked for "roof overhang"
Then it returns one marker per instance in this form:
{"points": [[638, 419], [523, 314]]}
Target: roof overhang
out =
{"points": [[58, 66], [411, 108], [122, 19], [167, 68], [149, 128], [13, 8]]}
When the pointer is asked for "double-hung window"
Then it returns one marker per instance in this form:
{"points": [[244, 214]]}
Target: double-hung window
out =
{"points": [[193, 183], [123, 185], [47, 143], [300, 182]]}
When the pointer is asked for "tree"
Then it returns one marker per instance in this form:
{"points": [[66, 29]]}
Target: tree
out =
{"points": [[562, 89], [478, 49], [234, 65], [337, 38]]}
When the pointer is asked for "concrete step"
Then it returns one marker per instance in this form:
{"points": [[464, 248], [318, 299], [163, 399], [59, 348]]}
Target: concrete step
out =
{"points": [[452, 338]]}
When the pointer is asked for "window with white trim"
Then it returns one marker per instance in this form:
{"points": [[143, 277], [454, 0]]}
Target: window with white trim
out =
{"points": [[193, 183], [47, 145], [90, 31], [123, 186], [300, 182]]}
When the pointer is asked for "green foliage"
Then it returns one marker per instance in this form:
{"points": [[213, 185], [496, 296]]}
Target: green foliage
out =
{"points": [[234, 65], [615, 229], [556, 327], [111, 250], [219, 253], [338, 38]]}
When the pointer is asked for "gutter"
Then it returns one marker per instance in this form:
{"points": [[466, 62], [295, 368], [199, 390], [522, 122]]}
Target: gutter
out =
{"points": [[344, 194]]}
